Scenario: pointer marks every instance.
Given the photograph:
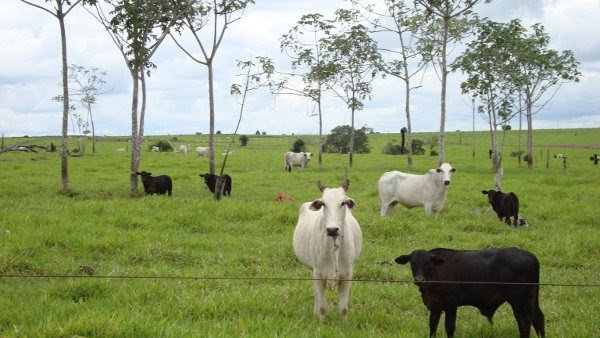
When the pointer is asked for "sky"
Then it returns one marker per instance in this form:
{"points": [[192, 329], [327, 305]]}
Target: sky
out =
{"points": [[178, 88]]}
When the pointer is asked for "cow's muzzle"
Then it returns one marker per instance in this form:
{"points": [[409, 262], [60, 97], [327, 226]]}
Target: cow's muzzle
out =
{"points": [[333, 232], [447, 182]]}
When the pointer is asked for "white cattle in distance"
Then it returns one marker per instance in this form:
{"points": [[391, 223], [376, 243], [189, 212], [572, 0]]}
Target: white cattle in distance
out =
{"points": [[429, 191], [184, 148], [328, 240], [203, 151], [292, 159], [155, 149]]}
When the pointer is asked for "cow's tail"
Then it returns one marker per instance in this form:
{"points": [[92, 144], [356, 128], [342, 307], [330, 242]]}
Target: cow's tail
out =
{"points": [[535, 313]]}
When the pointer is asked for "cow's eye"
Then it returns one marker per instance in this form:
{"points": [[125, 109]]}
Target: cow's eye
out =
{"points": [[439, 170]]}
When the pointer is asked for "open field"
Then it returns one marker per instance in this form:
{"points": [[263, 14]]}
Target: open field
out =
{"points": [[247, 235]]}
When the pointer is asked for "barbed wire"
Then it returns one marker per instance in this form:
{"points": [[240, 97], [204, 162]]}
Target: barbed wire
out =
{"points": [[242, 278]]}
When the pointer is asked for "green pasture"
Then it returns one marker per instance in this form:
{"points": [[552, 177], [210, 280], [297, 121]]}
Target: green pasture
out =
{"points": [[240, 248]]}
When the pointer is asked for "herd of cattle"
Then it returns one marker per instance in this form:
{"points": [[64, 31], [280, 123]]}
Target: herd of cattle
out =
{"points": [[328, 240]]}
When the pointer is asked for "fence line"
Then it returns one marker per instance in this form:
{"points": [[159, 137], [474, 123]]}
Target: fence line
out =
{"points": [[242, 278]]}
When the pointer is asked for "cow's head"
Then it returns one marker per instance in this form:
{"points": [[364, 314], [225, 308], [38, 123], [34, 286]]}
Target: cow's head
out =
{"points": [[443, 172], [491, 194], [421, 263], [145, 175], [308, 156], [334, 203], [207, 177]]}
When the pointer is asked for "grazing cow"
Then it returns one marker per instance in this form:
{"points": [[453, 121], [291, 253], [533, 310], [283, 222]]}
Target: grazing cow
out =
{"points": [[328, 240], [156, 185], [184, 148], [429, 190], [489, 275], [203, 151], [211, 182], [506, 205], [155, 149], [120, 150], [292, 159]]}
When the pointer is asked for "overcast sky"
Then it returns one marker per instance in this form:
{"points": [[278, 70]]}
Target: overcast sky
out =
{"points": [[177, 90]]}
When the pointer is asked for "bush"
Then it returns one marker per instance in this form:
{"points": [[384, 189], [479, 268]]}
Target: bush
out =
{"points": [[162, 145], [244, 140], [339, 141], [298, 146], [396, 149]]}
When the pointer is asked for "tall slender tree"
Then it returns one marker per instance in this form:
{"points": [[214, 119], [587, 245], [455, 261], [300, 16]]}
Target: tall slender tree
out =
{"points": [[60, 10], [449, 24], [406, 58], [303, 44], [138, 27], [355, 57], [196, 20]]}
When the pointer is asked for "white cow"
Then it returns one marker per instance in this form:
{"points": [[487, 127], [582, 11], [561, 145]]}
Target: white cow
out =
{"points": [[429, 191], [120, 150], [184, 148], [328, 240], [203, 151], [155, 149], [292, 159]]}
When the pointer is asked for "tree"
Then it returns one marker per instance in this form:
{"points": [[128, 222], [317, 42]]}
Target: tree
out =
{"points": [[87, 83], [201, 13], [244, 140], [60, 11], [339, 140], [490, 74], [448, 23], [138, 27], [542, 71], [355, 57], [298, 146], [407, 58], [303, 44]]}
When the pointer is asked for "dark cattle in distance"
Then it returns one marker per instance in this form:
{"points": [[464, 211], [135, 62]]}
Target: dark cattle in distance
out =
{"points": [[493, 276], [506, 205], [211, 182], [156, 185]]}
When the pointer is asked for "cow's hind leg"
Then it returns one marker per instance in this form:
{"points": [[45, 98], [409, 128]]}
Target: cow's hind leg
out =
{"points": [[522, 317], [434, 319]]}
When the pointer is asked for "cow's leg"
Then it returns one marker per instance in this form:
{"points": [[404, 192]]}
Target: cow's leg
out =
{"points": [[320, 301], [387, 208], [538, 322], [522, 317], [344, 296], [434, 319], [428, 209], [450, 321]]}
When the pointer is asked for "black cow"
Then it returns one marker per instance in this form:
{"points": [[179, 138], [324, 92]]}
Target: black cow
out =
{"points": [[156, 185], [211, 182], [506, 205], [488, 273]]}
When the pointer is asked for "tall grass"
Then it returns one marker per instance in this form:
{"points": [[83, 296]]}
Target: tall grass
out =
{"points": [[44, 233]]}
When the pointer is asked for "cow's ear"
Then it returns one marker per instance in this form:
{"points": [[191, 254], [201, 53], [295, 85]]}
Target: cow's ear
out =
{"points": [[484, 192], [453, 170], [437, 260], [402, 259], [350, 203], [316, 205]]}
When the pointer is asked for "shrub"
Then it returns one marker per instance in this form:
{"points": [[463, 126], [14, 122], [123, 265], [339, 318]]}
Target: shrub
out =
{"points": [[298, 146], [162, 145], [396, 149], [244, 140], [339, 141]]}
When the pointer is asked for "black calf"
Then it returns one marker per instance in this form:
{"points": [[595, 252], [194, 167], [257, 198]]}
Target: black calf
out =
{"points": [[156, 185], [504, 204], [211, 182]]}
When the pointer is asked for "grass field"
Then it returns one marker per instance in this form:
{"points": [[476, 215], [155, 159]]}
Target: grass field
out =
{"points": [[246, 238]]}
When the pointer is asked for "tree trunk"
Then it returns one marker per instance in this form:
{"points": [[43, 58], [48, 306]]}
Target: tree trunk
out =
{"points": [[529, 131], [93, 129], [352, 138], [64, 171], [409, 153], [211, 133], [135, 156], [443, 96], [320, 131]]}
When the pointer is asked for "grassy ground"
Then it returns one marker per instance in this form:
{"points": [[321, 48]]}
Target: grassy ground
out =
{"points": [[248, 235]]}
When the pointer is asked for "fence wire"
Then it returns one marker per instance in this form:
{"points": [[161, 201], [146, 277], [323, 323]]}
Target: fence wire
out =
{"points": [[278, 279]]}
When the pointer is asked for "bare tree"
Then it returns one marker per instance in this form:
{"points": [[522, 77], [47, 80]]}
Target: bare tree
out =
{"points": [[221, 14], [61, 9]]}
